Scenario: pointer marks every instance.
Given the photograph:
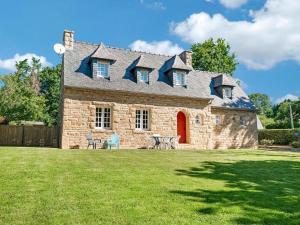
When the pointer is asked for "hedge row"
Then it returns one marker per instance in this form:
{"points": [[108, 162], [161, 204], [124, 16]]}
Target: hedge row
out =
{"points": [[280, 136]]}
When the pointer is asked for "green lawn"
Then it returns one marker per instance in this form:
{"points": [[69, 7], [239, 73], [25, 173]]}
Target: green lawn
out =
{"points": [[51, 186]]}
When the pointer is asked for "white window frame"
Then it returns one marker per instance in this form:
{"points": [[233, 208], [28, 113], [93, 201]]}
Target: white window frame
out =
{"points": [[102, 121], [99, 71], [143, 73], [182, 80], [227, 90], [142, 119]]}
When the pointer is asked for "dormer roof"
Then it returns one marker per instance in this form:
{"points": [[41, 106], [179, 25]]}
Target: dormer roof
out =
{"points": [[176, 63], [223, 80], [102, 52], [142, 62]]}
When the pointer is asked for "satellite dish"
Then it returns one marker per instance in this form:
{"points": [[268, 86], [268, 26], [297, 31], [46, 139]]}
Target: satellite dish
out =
{"points": [[59, 48]]}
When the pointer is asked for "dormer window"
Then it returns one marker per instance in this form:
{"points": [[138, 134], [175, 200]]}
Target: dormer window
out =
{"points": [[224, 85], [143, 75], [227, 92], [180, 78], [102, 69]]}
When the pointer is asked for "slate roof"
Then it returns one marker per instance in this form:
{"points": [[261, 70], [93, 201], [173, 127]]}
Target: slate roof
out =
{"points": [[224, 80], [176, 63], [103, 53], [78, 74], [143, 61]]}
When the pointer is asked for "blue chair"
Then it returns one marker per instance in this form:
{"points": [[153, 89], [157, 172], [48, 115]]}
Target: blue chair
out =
{"points": [[114, 140]]}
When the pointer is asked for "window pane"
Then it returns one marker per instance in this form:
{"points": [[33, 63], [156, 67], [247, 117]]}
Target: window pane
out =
{"points": [[243, 121], [102, 69], [144, 76], [227, 92], [180, 78], [142, 119], [218, 120], [98, 117], [138, 119], [145, 119], [107, 116], [103, 118]]}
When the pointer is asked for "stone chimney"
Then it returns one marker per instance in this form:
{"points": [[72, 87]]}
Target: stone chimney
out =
{"points": [[186, 57], [68, 39]]}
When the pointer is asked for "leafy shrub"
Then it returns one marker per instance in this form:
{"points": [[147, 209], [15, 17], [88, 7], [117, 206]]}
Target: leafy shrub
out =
{"points": [[280, 136], [296, 143], [266, 142]]}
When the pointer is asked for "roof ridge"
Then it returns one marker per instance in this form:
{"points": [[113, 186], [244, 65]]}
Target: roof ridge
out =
{"points": [[128, 49]]}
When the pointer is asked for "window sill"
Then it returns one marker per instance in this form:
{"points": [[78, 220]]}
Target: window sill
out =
{"points": [[141, 131], [101, 130], [102, 77]]}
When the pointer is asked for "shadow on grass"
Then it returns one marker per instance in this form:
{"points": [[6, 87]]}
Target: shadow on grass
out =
{"points": [[266, 192]]}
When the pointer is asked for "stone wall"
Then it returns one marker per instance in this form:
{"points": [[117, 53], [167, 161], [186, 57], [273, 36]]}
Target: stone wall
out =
{"points": [[79, 118], [230, 134]]}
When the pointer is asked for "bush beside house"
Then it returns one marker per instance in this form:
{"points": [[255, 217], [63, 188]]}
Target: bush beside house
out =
{"points": [[279, 136]]}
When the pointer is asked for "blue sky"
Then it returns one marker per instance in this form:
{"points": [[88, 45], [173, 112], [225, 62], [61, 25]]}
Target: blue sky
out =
{"points": [[264, 33]]}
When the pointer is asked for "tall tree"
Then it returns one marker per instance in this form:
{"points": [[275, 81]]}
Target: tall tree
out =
{"points": [[50, 89], [282, 114], [31, 93], [214, 56], [18, 100], [262, 103]]}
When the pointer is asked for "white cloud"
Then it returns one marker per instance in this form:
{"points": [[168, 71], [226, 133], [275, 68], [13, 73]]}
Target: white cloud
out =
{"points": [[9, 64], [287, 97], [158, 47], [271, 37], [233, 3]]}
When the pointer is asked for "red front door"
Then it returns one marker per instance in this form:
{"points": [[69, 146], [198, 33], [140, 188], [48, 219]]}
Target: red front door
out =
{"points": [[181, 127]]}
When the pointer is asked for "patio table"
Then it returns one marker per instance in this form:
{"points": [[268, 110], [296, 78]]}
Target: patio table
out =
{"points": [[163, 140]]}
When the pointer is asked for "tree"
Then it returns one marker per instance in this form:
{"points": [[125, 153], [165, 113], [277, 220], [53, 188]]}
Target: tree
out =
{"points": [[262, 103], [50, 89], [282, 114], [31, 93], [214, 57], [18, 100]]}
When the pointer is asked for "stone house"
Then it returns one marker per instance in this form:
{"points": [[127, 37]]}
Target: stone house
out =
{"points": [[138, 94]]}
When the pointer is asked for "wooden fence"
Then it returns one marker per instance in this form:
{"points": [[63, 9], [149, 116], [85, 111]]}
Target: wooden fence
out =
{"points": [[29, 135]]}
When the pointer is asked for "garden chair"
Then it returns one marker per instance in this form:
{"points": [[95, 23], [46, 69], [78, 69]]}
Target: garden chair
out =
{"points": [[91, 141], [175, 142], [114, 140]]}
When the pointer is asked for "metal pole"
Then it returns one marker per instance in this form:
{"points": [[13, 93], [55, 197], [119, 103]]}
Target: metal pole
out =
{"points": [[291, 116]]}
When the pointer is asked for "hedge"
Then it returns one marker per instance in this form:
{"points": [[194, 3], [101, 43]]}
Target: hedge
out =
{"points": [[280, 136]]}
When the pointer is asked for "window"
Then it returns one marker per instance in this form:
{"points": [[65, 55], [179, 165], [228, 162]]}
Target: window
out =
{"points": [[180, 78], [102, 70], [227, 92], [144, 75], [198, 120], [218, 120], [243, 121], [103, 118], [142, 119]]}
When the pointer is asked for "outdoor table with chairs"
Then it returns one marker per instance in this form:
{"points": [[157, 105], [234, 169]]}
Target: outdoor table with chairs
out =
{"points": [[165, 142]]}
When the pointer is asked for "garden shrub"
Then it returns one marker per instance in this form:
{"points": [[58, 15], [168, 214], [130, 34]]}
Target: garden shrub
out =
{"points": [[296, 143], [280, 136], [266, 142]]}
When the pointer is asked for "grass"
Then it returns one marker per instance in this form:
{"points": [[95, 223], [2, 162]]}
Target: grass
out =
{"points": [[51, 186]]}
